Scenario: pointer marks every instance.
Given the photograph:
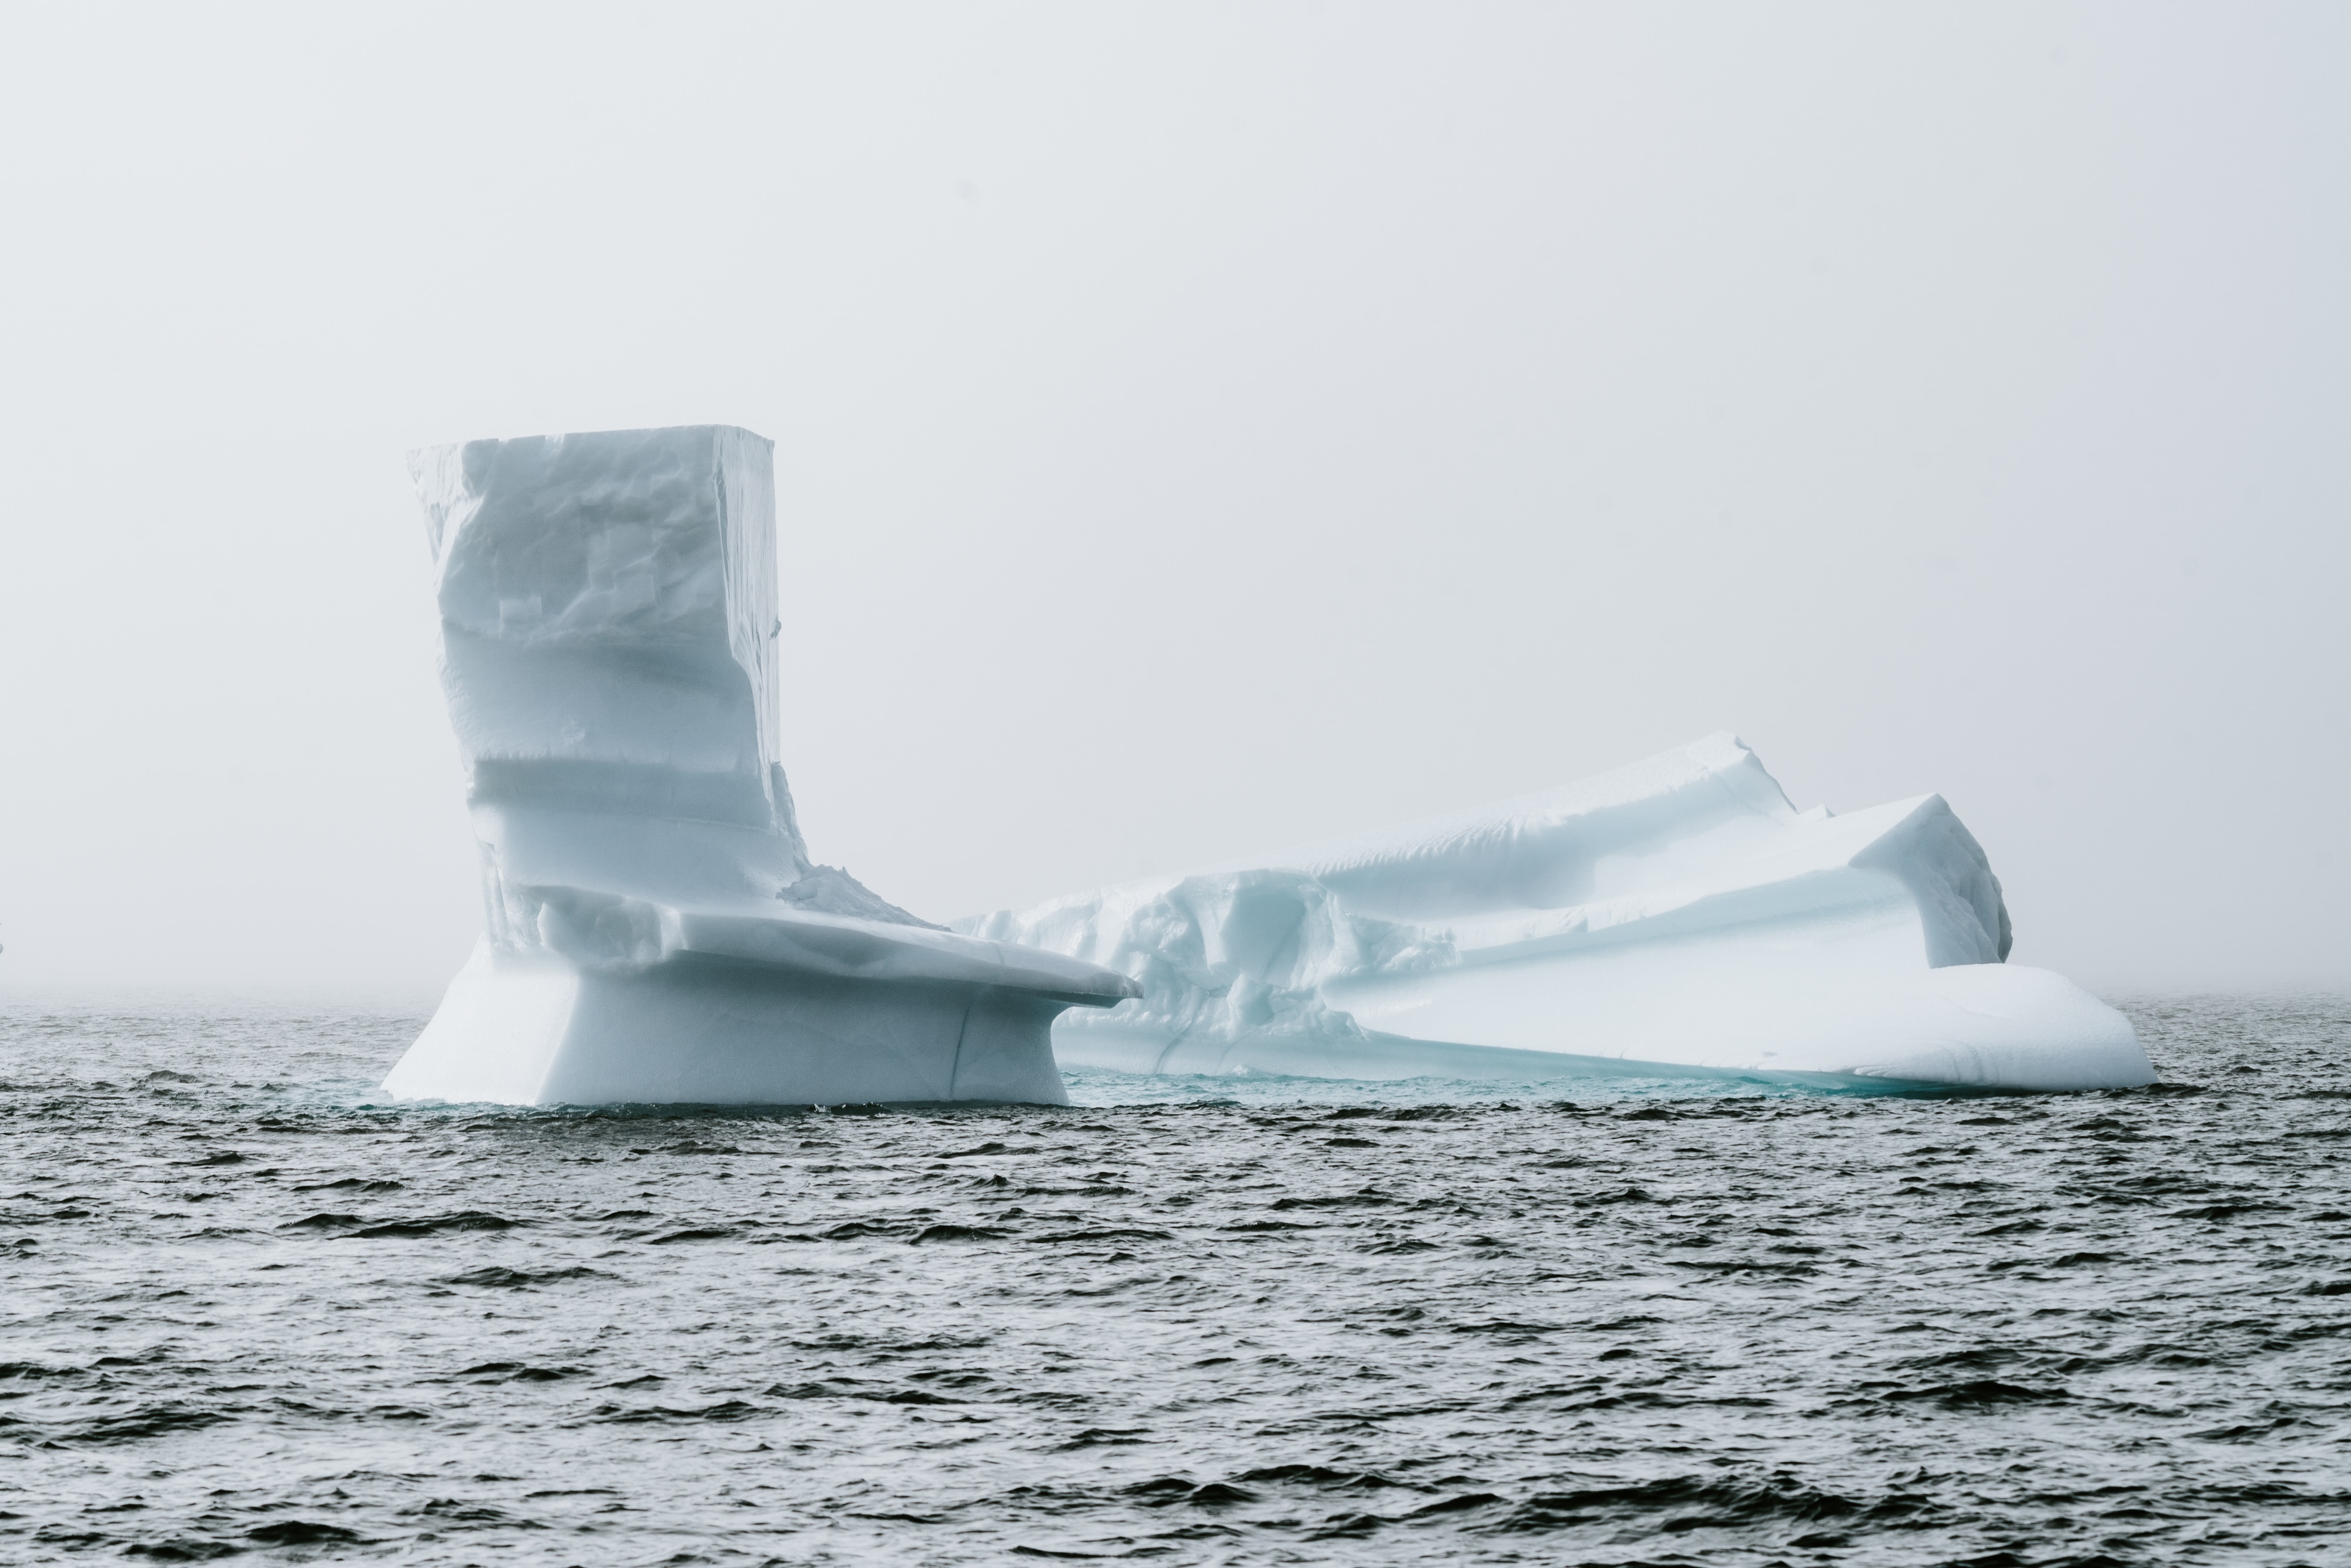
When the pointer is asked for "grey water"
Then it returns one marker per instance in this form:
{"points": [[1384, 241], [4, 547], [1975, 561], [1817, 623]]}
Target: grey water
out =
{"points": [[252, 1312]]}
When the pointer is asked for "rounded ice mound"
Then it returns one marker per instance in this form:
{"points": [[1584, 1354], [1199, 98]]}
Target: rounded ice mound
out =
{"points": [[1675, 916], [656, 932]]}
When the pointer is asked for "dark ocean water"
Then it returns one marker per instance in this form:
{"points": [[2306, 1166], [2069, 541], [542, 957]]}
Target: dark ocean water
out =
{"points": [[249, 1311]]}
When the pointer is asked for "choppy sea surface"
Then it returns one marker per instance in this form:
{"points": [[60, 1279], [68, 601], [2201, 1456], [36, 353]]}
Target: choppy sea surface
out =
{"points": [[251, 1311]]}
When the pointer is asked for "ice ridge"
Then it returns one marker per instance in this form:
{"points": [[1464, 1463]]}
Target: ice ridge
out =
{"points": [[1679, 915]]}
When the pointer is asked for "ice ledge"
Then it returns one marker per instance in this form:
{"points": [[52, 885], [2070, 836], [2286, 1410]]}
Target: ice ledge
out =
{"points": [[618, 935]]}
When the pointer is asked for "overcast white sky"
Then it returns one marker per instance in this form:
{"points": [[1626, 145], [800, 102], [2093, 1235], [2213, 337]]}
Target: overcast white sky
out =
{"points": [[1199, 428]]}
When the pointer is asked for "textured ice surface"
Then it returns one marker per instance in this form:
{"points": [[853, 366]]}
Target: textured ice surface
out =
{"points": [[656, 931], [1678, 913]]}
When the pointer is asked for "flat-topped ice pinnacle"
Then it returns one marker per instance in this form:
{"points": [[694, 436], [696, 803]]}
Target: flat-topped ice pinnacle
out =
{"points": [[656, 931], [1675, 916]]}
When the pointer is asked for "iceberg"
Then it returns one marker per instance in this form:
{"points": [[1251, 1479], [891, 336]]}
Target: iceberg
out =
{"points": [[1676, 917], [656, 929]]}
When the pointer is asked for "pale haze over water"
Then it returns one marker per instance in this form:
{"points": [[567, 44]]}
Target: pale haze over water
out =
{"points": [[1199, 429]]}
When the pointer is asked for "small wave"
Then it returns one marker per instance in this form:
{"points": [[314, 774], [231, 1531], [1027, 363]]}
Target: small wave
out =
{"points": [[436, 1225]]}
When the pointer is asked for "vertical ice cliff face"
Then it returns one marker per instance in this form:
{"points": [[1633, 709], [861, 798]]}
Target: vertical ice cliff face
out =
{"points": [[1676, 915], [655, 928], [608, 648]]}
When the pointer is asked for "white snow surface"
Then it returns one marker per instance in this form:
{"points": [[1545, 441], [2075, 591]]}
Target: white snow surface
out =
{"points": [[656, 931], [1678, 916]]}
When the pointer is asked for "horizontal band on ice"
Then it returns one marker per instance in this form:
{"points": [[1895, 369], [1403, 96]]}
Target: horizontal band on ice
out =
{"points": [[657, 932]]}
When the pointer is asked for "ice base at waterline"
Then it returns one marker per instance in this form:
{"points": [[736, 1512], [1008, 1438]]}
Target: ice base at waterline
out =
{"points": [[1678, 916], [656, 931]]}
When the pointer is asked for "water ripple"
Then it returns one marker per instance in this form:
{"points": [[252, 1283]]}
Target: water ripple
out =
{"points": [[255, 1312]]}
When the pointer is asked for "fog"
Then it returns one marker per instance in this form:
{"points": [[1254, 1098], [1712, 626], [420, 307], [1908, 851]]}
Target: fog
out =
{"points": [[1199, 428]]}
